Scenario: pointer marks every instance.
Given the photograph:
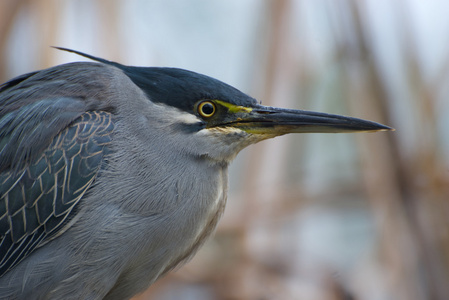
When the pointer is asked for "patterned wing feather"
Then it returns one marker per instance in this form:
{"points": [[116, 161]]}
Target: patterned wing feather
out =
{"points": [[37, 202]]}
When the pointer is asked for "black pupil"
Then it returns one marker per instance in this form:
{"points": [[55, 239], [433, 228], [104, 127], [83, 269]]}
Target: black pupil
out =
{"points": [[207, 109]]}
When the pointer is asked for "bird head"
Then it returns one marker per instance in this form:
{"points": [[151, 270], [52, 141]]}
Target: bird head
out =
{"points": [[215, 120]]}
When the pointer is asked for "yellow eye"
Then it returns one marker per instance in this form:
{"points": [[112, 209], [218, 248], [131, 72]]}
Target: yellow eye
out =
{"points": [[206, 109]]}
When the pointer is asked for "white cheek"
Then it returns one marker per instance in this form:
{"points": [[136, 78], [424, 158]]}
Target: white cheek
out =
{"points": [[186, 118], [172, 115], [222, 131]]}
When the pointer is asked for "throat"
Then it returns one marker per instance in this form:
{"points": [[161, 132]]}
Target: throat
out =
{"points": [[202, 220]]}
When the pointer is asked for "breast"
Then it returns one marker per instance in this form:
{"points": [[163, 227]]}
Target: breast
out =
{"points": [[204, 215], [166, 210]]}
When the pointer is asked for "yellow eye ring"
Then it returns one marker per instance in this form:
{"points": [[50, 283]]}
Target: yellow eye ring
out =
{"points": [[206, 109]]}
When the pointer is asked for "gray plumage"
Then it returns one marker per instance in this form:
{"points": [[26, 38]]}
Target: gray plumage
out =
{"points": [[112, 175]]}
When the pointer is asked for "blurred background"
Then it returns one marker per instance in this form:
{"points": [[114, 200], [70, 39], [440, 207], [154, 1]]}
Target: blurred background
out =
{"points": [[314, 216]]}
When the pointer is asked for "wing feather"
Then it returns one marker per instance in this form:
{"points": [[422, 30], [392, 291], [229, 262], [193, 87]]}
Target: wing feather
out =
{"points": [[37, 202], [56, 128]]}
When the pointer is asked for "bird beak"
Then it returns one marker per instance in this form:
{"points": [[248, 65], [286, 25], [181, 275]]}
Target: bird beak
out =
{"points": [[278, 121]]}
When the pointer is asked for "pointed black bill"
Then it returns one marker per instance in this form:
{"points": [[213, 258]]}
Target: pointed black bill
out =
{"points": [[278, 121]]}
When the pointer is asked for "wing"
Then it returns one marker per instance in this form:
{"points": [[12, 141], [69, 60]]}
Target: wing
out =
{"points": [[55, 132], [38, 202]]}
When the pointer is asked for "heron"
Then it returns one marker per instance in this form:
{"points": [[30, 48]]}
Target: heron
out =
{"points": [[112, 175]]}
